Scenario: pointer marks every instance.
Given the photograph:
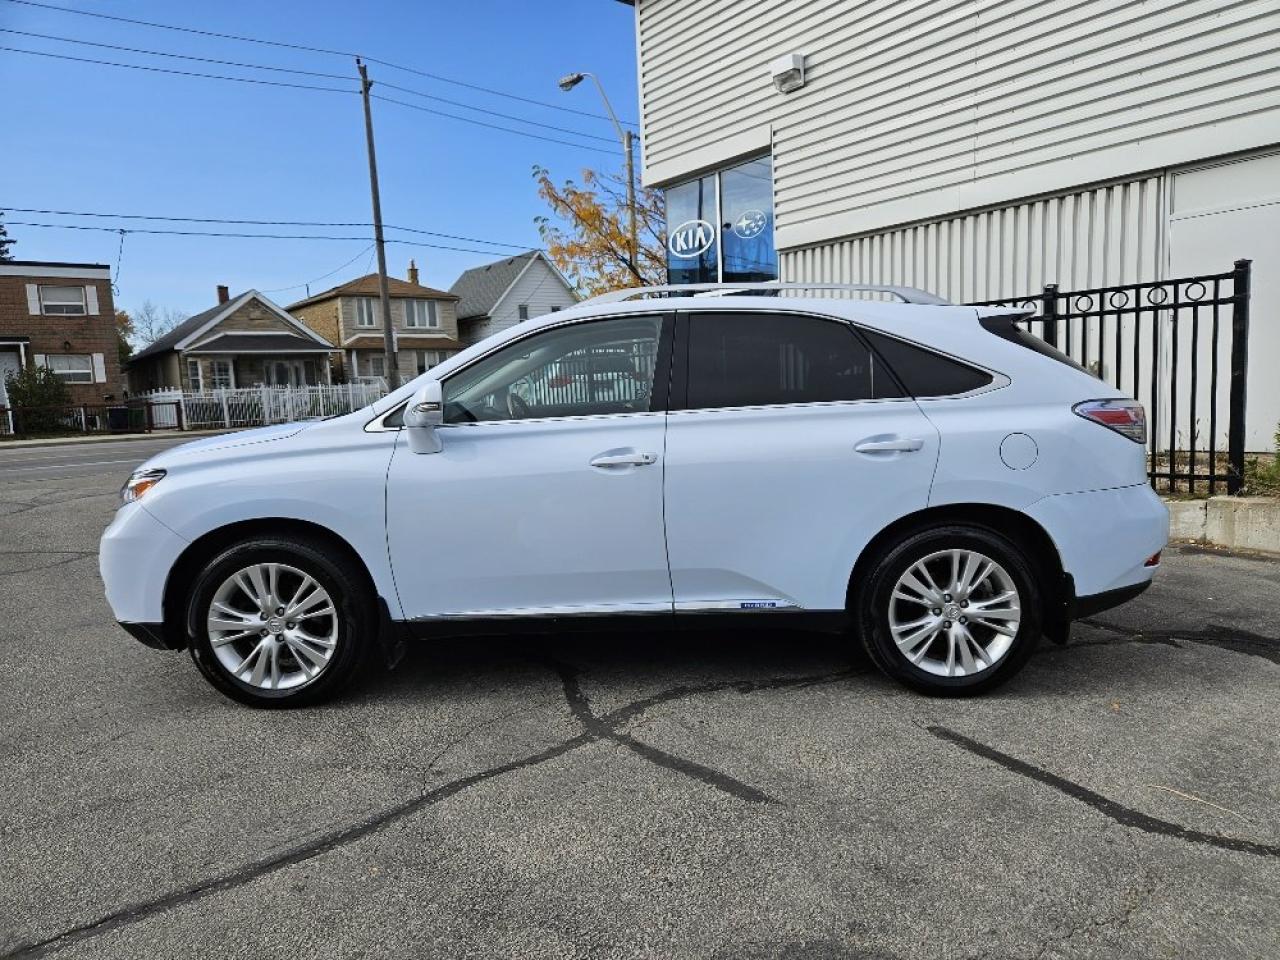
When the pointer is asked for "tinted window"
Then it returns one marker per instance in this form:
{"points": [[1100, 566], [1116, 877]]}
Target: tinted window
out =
{"points": [[585, 369], [752, 359], [925, 373]]}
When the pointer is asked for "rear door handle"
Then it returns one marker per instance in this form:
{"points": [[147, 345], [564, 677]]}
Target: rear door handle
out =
{"points": [[894, 445], [624, 459]]}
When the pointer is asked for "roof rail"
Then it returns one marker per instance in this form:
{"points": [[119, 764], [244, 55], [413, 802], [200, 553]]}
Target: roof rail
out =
{"points": [[767, 287]]}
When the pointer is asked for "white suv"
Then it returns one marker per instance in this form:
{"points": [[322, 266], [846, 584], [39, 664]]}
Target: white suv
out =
{"points": [[929, 478]]}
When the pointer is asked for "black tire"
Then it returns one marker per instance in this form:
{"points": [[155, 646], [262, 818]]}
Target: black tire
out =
{"points": [[341, 577], [872, 601]]}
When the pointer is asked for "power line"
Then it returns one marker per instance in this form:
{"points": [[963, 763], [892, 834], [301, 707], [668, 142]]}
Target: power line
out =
{"points": [[257, 223], [305, 73], [174, 56], [305, 86], [181, 73], [310, 49], [323, 276], [492, 126]]}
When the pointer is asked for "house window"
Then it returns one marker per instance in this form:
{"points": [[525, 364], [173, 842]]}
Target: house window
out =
{"points": [[721, 226], [377, 365], [62, 300], [429, 358], [71, 367], [366, 312], [556, 308], [421, 313], [194, 380], [220, 375], [522, 311]]}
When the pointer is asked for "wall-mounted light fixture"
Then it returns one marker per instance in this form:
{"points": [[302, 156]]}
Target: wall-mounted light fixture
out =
{"points": [[788, 72]]}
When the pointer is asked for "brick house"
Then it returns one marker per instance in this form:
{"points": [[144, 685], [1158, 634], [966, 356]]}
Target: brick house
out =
{"points": [[60, 316], [424, 322], [243, 341]]}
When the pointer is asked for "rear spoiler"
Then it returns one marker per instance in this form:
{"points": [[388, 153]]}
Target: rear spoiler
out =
{"points": [[1008, 323]]}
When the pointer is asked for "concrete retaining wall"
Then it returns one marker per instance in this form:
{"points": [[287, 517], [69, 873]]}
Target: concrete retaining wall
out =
{"points": [[1238, 523]]}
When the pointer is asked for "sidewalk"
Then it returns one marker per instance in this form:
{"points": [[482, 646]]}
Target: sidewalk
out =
{"points": [[110, 437]]}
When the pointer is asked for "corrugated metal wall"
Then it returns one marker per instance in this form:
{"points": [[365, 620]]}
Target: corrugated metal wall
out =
{"points": [[1091, 238]]}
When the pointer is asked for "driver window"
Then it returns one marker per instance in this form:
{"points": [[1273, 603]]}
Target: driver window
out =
{"points": [[593, 368]]}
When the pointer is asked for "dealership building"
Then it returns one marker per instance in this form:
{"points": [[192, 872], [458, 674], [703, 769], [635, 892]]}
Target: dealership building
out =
{"points": [[978, 149]]}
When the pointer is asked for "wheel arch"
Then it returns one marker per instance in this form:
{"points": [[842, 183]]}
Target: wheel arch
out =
{"points": [[189, 563], [1005, 521]]}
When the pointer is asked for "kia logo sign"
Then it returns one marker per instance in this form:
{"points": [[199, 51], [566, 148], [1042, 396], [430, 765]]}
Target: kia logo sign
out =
{"points": [[691, 239]]}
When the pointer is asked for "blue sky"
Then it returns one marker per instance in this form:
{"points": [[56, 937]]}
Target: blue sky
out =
{"points": [[84, 137]]}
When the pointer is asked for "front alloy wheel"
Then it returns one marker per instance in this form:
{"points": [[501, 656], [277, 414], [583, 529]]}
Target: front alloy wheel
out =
{"points": [[272, 626], [281, 621]]}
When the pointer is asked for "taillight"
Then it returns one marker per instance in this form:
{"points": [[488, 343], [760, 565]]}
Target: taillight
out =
{"points": [[1123, 416]]}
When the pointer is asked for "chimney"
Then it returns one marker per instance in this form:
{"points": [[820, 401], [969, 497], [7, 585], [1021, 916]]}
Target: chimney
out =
{"points": [[223, 294], [413, 273]]}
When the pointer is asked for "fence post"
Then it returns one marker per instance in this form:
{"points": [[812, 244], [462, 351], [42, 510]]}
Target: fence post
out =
{"points": [[1239, 374], [149, 419], [226, 415], [266, 413], [179, 410], [1050, 313]]}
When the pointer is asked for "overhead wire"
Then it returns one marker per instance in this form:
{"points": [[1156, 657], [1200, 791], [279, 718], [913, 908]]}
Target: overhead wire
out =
{"points": [[313, 49]]}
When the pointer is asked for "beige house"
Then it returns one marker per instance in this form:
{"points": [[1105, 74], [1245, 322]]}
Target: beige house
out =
{"points": [[244, 341], [424, 322]]}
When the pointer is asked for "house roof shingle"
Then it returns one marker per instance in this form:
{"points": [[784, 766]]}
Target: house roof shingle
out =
{"points": [[368, 286], [178, 333], [480, 288]]}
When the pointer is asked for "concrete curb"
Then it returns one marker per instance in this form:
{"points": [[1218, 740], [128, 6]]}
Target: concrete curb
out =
{"points": [[1237, 523], [112, 438]]}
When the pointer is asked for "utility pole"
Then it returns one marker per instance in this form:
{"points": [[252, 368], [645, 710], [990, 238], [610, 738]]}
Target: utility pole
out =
{"points": [[384, 294], [629, 145]]}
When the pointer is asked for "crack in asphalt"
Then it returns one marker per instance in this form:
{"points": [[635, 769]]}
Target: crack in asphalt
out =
{"points": [[596, 728], [1125, 816], [1212, 635], [64, 557]]}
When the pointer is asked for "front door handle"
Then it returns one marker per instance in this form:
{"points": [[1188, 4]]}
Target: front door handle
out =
{"points": [[624, 459], [891, 445]]}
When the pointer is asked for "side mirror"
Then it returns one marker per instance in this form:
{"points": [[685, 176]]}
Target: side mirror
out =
{"points": [[424, 413]]}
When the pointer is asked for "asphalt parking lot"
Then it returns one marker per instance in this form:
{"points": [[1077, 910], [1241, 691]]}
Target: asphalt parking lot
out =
{"points": [[730, 797]]}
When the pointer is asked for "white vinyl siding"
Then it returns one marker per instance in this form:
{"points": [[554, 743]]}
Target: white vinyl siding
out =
{"points": [[920, 110], [538, 289]]}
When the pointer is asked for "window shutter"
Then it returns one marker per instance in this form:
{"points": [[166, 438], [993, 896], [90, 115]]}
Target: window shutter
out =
{"points": [[91, 300], [33, 299], [39, 359], [99, 367]]}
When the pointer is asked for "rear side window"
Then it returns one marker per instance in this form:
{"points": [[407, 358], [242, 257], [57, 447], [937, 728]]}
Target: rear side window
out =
{"points": [[757, 359], [925, 373]]}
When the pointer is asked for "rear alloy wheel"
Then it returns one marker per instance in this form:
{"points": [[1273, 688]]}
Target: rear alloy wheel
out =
{"points": [[280, 622], [954, 610]]}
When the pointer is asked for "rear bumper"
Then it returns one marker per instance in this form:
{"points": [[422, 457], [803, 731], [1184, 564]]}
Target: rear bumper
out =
{"points": [[1105, 537], [151, 634], [1087, 606]]}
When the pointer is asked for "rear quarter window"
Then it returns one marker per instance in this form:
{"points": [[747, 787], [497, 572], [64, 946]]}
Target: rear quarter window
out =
{"points": [[924, 373]]}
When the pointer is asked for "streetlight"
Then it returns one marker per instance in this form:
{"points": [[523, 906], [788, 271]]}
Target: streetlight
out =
{"points": [[567, 83]]}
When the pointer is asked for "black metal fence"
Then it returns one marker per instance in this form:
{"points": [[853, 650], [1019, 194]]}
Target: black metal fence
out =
{"points": [[127, 417], [1181, 347]]}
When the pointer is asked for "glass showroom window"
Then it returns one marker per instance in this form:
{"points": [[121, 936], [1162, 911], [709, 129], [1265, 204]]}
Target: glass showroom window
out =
{"points": [[720, 227]]}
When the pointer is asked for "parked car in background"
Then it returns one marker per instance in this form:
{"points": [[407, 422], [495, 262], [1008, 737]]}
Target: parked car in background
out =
{"points": [[928, 478]]}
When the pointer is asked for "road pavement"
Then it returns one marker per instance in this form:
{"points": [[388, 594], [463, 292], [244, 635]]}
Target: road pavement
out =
{"points": [[714, 796]]}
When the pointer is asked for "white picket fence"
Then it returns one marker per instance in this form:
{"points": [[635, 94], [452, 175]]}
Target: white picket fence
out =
{"points": [[257, 406]]}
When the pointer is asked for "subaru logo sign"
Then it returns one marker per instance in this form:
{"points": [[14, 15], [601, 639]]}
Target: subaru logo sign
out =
{"points": [[751, 224], [691, 239]]}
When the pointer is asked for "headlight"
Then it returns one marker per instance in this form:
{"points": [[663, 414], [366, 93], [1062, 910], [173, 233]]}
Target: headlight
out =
{"points": [[139, 482]]}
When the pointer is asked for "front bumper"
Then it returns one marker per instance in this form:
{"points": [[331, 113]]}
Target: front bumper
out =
{"points": [[135, 556]]}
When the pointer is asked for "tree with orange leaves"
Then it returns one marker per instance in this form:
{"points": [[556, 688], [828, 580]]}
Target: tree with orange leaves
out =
{"points": [[587, 239]]}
